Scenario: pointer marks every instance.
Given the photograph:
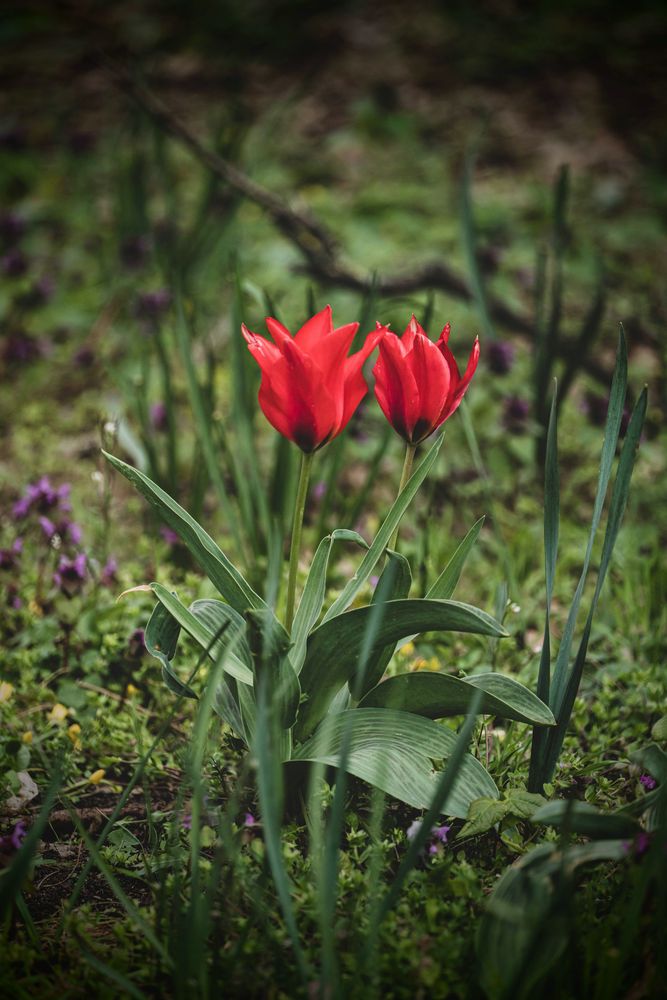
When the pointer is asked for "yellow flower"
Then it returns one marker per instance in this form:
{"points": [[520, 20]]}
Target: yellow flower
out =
{"points": [[131, 690], [6, 690], [96, 776], [27, 737], [408, 649], [73, 733], [58, 713]]}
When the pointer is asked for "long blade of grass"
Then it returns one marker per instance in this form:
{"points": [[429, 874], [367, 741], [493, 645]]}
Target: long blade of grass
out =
{"points": [[551, 528], [612, 429]]}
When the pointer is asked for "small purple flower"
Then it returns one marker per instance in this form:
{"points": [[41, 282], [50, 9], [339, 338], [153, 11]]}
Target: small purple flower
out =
{"points": [[595, 407], [70, 574], [9, 557], [14, 264], [249, 820], [43, 497], [159, 420], [84, 357], [40, 292], [500, 356], [152, 305], [134, 252], [18, 835], [440, 833], [319, 489], [169, 536], [47, 526], [20, 348], [73, 532], [515, 414], [108, 575], [648, 782], [12, 228], [187, 821], [136, 644]]}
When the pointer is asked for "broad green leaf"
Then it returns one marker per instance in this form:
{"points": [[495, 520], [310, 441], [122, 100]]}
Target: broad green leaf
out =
{"points": [[394, 584], [202, 634], [269, 644], [385, 532], [334, 648], [161, 639], [445, 585], [585, 819], [483, 815], [392, 750], [659, 730], [312, 599], [220, 571], [214, 615], [523, 804], [436, 695]]}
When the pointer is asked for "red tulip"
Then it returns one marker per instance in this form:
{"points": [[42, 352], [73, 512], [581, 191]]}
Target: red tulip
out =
{"points": [[417, 382], [310, 387]]}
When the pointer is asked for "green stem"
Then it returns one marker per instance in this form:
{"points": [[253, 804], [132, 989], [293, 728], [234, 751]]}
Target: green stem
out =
{"points": [[410, 452], [297, 526]]}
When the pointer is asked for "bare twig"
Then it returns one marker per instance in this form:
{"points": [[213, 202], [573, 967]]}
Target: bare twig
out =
{"points": [[319, 247]]}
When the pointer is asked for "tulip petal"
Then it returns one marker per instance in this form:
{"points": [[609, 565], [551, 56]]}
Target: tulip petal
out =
{"points": [[395, 387], [458, 385], [354, 384], [279, 332], [431, 374], [412, 330], [315, 331]]}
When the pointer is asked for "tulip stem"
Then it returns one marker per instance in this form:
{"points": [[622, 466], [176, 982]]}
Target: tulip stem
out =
{"points": [[410, 452], [297, 527]]}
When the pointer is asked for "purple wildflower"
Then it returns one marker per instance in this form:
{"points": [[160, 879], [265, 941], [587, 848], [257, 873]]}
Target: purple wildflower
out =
{"points": [[648, 782], [9, 557], [108, 575], [14, 264], [500, 356], [19, 348], [595, 407], [249, 820], [39, 293], [84, 357], [47, 526], [70, 574], [515, 414], [43, 497], [169, 536], [136, 645], [152, 305], [12, 228], [187, 821], [159, 420], [18, 835], [134, 252]]}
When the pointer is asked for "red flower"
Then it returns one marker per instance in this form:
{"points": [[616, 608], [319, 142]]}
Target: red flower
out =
{"points": [[310, 388], [417, 382]]}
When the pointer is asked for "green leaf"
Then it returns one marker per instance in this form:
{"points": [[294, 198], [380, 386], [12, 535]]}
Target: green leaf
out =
{"points": [[659, 730], [385, 532], [312, 599], [334, 648], [220, 571], [438, 695], [392, 751], [483, 815], [270, 643], [161, 639], [202, 634], [445, 585], [523, 804], [583, 818], [394, 584]]}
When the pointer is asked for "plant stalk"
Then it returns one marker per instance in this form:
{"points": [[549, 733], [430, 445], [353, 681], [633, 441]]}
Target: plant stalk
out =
{"points": [[297, 527], [410, 452]]}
